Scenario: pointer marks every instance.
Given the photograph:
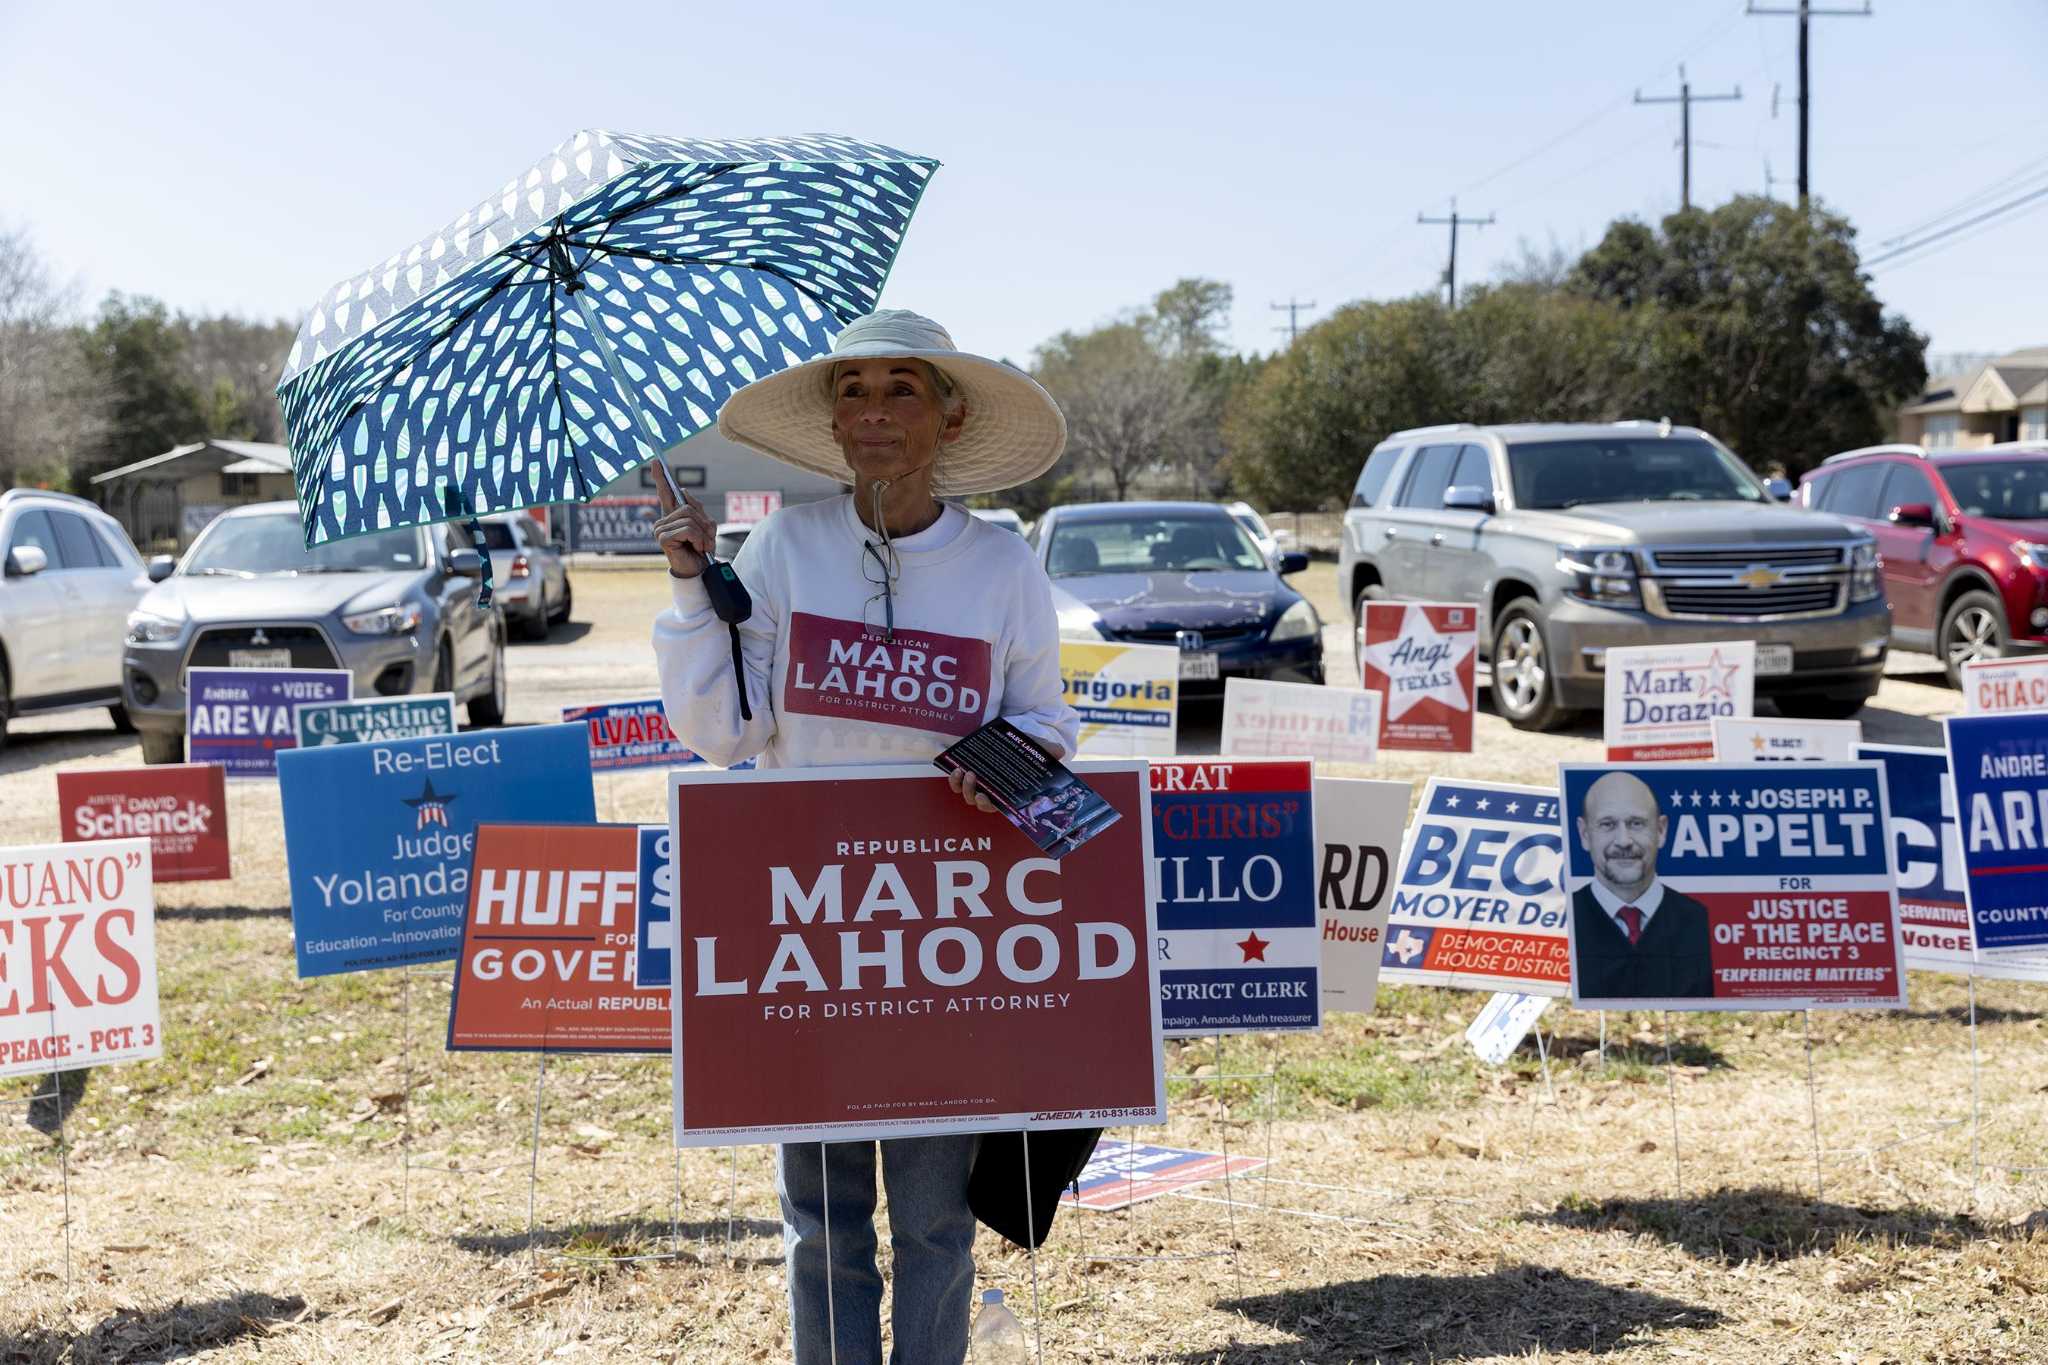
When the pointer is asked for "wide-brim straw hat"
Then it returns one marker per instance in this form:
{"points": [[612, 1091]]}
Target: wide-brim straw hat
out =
{"points": [[1013, 433]]}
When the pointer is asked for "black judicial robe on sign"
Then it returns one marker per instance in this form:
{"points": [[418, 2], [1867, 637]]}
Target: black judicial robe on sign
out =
{"points": [[1674, 958]]}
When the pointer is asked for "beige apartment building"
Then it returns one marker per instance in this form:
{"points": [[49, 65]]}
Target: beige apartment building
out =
{"points": [[2002, 400]]}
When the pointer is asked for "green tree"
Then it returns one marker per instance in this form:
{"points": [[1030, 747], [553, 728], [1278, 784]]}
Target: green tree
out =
{"points": [[1766, 331], [1130, 410], [136, 355]]}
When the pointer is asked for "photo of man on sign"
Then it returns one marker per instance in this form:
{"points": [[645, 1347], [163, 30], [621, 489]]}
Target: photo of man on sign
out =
{"points": [[1635, 936]]}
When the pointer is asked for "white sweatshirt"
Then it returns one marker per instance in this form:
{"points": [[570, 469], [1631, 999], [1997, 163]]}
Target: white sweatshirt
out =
{"points": [[976, 638]]}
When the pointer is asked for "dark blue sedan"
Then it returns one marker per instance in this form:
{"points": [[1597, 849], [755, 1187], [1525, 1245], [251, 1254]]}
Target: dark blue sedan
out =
{"points": [[1183, 574]]}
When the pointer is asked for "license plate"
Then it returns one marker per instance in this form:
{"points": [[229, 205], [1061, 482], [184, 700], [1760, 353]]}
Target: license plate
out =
{"points": [[1199, 664], [259, 658], [1773, 659]]}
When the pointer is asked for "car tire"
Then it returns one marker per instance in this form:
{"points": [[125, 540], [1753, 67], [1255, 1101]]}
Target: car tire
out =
{"points": [[6, 703], [568, 601], [535, 627], [123, 724], [1972, 628], [163, 746], [1371, 592], [444, 668], [1819, 705], [489, 709], [1522, 691]]}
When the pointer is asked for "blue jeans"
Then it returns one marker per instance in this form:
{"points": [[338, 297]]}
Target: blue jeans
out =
{"points": [[930, 1230]]}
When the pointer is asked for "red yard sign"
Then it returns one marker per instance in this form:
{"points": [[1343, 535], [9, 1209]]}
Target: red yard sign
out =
{"points": [[1421, 657], [859, 955], [547, 945], [181, 808]]}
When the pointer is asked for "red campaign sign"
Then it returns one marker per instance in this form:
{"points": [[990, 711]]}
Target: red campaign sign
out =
{"points": [[181, 808], [1422, 658], [1495, 952], [859, 954], [1803, 946], [921, 679], [547, 945]]}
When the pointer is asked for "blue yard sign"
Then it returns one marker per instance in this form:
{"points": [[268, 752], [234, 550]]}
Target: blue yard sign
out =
{"points": [[379, 836], [654, 934], [1999, 764], [1234, 844]]}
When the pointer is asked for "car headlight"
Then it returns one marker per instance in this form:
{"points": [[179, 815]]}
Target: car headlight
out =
{"points": [[1604, 575], [1298, 622], [2032, 553], [1866, 571], [402, 619], [147, 628]]}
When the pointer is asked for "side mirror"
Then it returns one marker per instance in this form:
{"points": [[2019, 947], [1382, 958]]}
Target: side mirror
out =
{"points": [[1779, 489], [465, 564], [1293, 561], [24, 560], [1912, 514], [1468, 497], [162, 567]]}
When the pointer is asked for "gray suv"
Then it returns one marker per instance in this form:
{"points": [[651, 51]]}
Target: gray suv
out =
{"points": [[1577, 538]]}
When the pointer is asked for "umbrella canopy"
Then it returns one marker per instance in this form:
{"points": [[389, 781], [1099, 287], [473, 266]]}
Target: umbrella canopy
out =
{"points": [[591, 314]]}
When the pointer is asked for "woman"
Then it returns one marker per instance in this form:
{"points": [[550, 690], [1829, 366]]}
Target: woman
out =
{"points": [[951, 623]]}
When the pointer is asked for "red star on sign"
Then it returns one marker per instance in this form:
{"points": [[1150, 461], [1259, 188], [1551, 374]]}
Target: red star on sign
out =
{"points": [[1253, 947]]}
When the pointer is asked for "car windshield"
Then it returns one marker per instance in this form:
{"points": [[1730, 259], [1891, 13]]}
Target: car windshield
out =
{"points": [[497, 536], [2014, 490], [272, 544], [1555, 474], [1151, 544]]}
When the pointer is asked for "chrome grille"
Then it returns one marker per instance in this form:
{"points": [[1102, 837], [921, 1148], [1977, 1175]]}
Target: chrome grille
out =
{"points": [[1170, 635], [1759, 582]]}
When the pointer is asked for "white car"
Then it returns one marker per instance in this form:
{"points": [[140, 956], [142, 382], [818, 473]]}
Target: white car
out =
{"points": [[532, 578], [1268, 540], [1004, 517], [72, 577]]}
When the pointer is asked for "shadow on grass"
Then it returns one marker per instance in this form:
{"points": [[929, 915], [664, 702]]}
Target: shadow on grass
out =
{"points": [[1960, 1014], [1734, 1226], [203, 914], [173, 1332], [1521, 1310], [623, 1237], [31, 749], [1684, 1052], [1882, 725], [560, 633]]}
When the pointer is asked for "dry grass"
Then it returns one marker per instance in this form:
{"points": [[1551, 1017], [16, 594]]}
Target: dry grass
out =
{"points": [[257, 1193]]}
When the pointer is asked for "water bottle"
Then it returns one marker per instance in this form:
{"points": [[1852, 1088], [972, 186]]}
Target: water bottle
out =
{"points": [[998, 1337]]}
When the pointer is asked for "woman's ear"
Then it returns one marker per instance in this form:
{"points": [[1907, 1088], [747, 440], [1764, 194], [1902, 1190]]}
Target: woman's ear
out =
{"points": [[953, 424]]}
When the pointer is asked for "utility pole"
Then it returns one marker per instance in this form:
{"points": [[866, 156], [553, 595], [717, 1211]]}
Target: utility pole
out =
{"points": [[1455, 221], [1292, 308], [1685, 99], [1806, 11]]}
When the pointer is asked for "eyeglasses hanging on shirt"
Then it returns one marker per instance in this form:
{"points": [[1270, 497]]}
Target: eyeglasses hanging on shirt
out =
{"points": [[880, 566]]}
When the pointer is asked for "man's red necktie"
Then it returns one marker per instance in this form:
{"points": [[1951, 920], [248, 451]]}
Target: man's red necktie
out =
{"points": [[1631, 920]]}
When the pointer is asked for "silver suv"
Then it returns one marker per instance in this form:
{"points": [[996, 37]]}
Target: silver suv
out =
{"points": [[1574, 539], [71, 578]]}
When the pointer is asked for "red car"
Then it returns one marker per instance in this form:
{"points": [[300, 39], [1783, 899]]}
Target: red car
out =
{"points": [[1964, 535]]}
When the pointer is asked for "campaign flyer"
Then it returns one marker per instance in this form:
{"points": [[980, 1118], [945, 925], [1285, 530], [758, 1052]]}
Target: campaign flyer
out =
{"points": [[1359, 825], [378, 837], [374, 719], [888, 961], [181, 808], [242, 718], [1239, 929], [1121, 1174], [547, 962], [1999, 764], [1299, 720], [1662, 700], [1927, 850], [1126, 696], [1422, 660], [77, 957], [1035, 792], [1719, 886], [1477, 904]]}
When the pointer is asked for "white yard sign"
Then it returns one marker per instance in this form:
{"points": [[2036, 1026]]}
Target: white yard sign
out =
{"points": [[77, 957]]}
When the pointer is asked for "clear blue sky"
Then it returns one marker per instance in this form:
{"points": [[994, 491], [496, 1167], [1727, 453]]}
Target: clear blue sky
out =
{"points": [[243, 157]]}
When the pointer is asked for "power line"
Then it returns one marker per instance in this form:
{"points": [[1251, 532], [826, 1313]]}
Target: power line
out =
{"points": [[2004, 184], [1805, 13], [1953, 229], [1685, 100], [1451, 272], [1293, 309]]}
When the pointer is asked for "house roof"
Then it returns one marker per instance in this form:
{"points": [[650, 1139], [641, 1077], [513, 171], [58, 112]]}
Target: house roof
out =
{"points": [[2019, 378], [235, 457]]}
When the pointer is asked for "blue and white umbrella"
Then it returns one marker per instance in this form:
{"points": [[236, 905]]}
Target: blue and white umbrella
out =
{"points": [[591, 314]]}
